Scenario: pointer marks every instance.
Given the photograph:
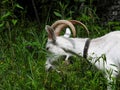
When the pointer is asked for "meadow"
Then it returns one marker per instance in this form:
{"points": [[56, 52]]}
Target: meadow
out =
{"points": [[22, 63]]}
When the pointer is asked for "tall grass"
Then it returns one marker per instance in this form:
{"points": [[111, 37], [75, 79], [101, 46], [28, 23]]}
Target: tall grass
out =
{"points": [[22, 59]]}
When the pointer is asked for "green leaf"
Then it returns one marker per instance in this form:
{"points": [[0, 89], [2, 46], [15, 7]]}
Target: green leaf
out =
{"points": [[14, 21], [18, 6], [2, 24], [57, 14], [4, 1], [6, 15]]}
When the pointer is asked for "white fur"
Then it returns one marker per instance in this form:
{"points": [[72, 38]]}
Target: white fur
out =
{"points": [[67, 33], [108, 45]]}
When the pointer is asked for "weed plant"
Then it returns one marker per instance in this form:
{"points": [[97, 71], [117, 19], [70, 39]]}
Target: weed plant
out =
{"points": [[22, 64]]}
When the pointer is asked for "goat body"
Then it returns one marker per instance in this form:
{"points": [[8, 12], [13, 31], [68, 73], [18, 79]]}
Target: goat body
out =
{"points": [[108, 45]]}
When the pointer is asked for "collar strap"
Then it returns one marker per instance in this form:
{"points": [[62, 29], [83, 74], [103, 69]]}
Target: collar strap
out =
{"points": [[86, 47]]}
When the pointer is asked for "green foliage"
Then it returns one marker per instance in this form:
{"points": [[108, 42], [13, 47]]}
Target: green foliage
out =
{"points": [[22, 59], [23, 54], [114, 25], [7, 15], [62, 12]]}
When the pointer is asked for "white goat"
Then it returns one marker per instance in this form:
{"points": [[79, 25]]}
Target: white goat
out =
{"points": [[108, 45]]}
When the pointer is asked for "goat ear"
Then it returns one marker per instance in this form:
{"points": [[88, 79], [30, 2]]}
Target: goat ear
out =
{"points": [[51, 34], [67, 33]]}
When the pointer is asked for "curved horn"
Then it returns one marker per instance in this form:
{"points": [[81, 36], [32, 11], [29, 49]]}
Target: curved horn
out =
{"points": [[60, 24], [78, 22]]}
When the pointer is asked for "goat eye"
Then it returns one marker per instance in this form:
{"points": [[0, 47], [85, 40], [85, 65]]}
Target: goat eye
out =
{"points": [[47, 48]]}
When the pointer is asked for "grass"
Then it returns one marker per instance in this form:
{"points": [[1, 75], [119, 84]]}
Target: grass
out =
{"points": [[22, 59]]}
